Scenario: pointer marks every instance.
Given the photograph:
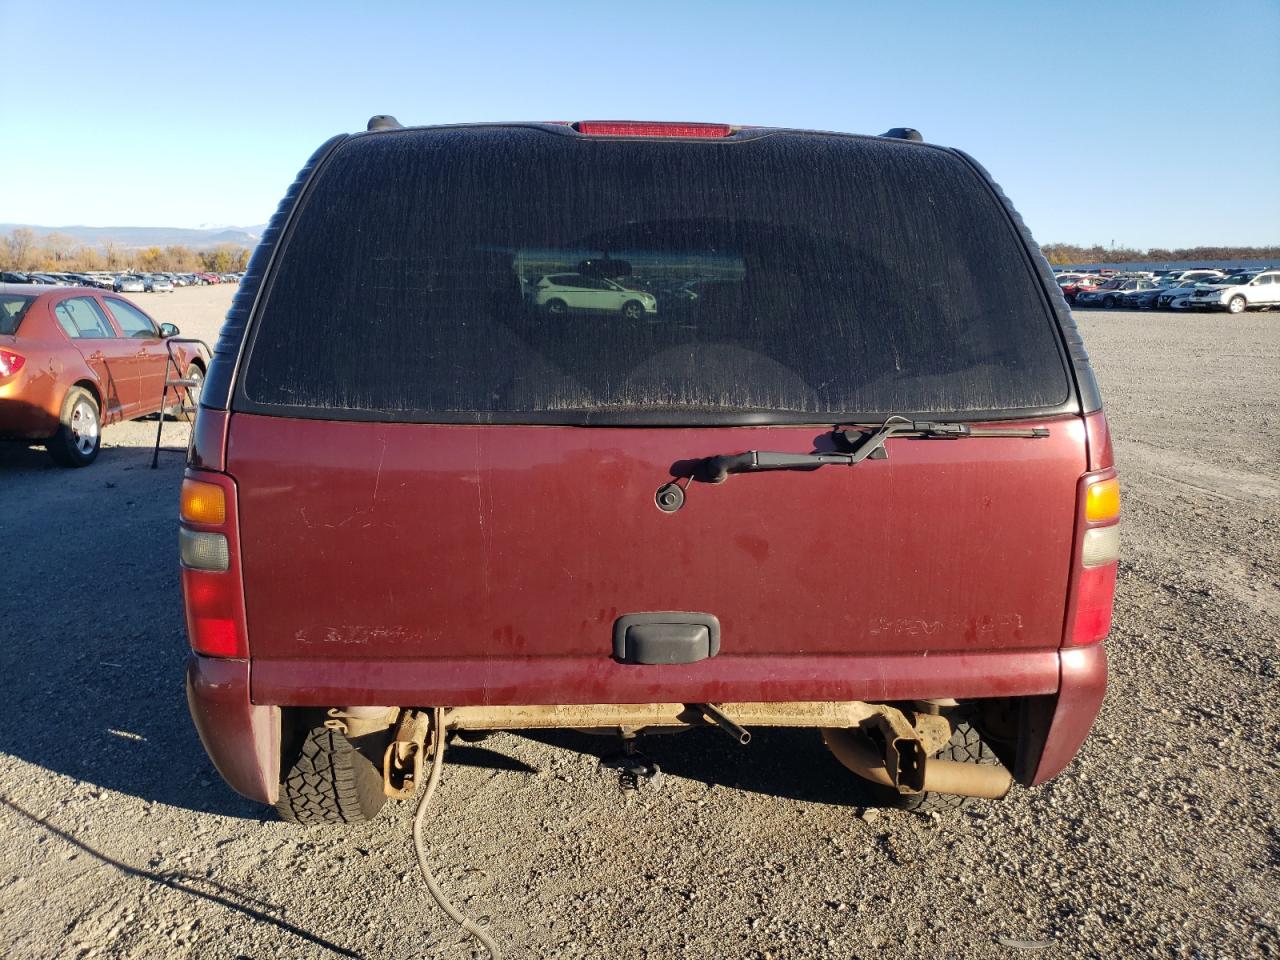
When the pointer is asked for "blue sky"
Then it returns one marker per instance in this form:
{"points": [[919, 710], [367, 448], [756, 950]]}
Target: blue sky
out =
{"points": [[1143, 123]]}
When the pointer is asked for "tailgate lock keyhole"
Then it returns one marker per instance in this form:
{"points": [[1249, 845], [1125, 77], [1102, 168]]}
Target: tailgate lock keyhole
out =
{"points": [[669, 498]]}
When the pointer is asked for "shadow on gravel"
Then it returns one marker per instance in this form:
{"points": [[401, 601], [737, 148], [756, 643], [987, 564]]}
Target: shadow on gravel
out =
{"points": [[465, 755], [17, 457], [204, 888], [778, 762], [95, 646]]}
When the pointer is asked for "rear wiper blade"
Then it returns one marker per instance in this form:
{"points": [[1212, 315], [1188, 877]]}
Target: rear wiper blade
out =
{"points": [[864, 443]]}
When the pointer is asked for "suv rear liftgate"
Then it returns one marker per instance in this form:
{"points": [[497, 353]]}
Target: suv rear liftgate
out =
{"points": [[843, 467]]}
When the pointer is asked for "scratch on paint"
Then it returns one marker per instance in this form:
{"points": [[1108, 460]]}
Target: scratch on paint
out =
{"points": [[484, 539], [378, 477]]}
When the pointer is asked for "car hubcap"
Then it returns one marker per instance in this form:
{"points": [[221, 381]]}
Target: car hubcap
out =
{"points": [[84, 428]]}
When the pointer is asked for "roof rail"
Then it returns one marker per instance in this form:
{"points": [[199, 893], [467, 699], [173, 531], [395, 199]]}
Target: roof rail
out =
{"points": [[384, 121], [900, 133]]}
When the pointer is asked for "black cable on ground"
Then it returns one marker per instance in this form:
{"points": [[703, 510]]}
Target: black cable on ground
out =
{"points": [[419, 817]]}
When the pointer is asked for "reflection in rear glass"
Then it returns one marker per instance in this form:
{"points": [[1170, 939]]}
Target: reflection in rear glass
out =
{"points": [[509, 274]]}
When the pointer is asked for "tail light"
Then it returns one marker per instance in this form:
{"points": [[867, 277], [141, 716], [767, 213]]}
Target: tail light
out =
{"points": [[10, 363], [647, 128], [1097, 555], [212, 591]]}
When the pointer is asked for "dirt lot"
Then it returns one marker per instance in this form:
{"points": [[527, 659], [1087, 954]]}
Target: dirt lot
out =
{"points": [[121, 841]]}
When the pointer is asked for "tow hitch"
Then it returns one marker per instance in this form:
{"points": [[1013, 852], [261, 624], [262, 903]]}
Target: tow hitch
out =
{"points": [[402, 762], [893, 751], [636, 769]]}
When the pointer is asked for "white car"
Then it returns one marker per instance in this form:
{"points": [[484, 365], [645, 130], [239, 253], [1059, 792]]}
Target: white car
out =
{"points": [[161, 284], [1203, 276], [1240, 292], [562, 292], [1175, 296]]}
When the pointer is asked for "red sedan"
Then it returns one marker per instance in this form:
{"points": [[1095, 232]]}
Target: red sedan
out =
{"points": [[73, 360], [1069, 290]]}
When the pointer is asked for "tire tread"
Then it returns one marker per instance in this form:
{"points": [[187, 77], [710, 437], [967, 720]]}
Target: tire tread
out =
{"points": [[329, 781]]}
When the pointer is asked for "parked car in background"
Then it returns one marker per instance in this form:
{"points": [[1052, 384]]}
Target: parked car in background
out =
{"points": [[1239, 293], [1143, 298], [1086, 282], [1178, 291], [1189, 301], [1103, 295], [573, 292], [1134, 294], [1205, 275], [73, 360], [160, 284], [129, 284]]}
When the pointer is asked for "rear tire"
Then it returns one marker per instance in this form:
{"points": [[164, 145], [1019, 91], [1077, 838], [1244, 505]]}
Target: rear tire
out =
{"points": [[79, 436], [325, 779], [557, 307], [1108, 302], [965, 746]]}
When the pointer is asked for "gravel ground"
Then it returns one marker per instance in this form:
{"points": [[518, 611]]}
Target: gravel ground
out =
{"points": [[1161, 840]]}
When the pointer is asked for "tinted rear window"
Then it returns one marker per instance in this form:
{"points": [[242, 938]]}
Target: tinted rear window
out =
{"points": [[514, 274], [13, 308]]}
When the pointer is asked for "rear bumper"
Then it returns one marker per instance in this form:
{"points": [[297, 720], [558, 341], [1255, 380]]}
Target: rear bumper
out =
{"points": [[28, 407], [1055, 727], [241, 738], [507, 681], [241, 732]]}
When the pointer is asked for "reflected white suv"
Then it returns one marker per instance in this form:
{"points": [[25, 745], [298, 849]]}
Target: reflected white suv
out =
{"points": [[563, 292], [1262, 290]]}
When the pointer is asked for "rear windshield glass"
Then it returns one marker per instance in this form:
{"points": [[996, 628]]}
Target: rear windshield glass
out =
{"points": [[12, 309], [516, 274]]}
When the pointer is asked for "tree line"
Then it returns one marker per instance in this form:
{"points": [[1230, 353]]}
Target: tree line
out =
{"points": [[1061, 253], [25, 252]]}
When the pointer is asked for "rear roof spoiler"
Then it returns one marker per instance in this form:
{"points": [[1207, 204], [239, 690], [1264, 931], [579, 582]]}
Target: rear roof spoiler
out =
{"points": [[384, 121]]}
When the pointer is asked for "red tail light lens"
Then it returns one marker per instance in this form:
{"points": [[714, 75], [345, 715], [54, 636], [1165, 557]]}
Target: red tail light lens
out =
{"points": [[215, 613], [212, 590], [10, 363], [1096, 560], [644, 128], [1094, 596]]}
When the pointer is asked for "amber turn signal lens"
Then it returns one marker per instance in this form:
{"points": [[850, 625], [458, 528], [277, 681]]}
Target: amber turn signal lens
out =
{"points": [[203, 502], [1102, 501]]}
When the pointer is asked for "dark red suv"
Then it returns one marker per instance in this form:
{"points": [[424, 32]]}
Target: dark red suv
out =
{"points": [[846, 469]]}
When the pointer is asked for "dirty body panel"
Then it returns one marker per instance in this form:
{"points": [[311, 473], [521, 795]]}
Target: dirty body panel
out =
{"points": [[414, 542]]}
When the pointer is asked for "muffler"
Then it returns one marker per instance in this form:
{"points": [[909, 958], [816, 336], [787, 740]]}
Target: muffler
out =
{"points": [[860, 754]]}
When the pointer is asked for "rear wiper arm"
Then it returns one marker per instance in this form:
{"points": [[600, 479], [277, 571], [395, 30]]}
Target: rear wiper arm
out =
{"points": [[865, 443]]}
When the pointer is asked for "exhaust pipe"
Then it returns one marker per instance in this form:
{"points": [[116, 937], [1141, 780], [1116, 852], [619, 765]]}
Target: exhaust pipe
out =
{"points": [[859, 754]]}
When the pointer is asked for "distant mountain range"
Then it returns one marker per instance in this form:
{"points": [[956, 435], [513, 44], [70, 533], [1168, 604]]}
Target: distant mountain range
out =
{"points": [[136, 238]]}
